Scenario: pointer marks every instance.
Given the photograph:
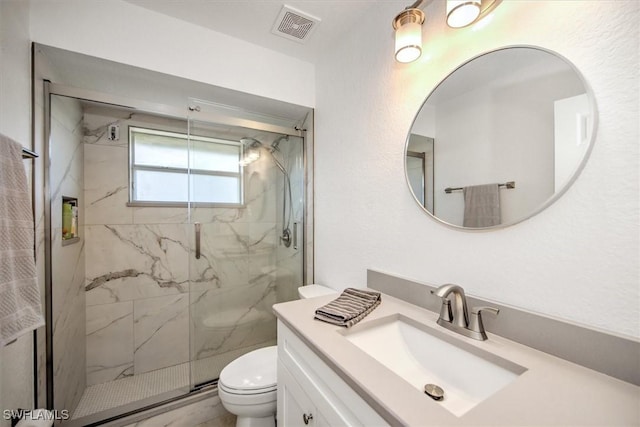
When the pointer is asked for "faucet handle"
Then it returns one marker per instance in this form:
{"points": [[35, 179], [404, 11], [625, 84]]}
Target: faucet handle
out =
{"points": [[475, 322], [492, 310]]}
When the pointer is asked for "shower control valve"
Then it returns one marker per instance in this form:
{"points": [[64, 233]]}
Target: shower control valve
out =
{"points": [[286, 237]]}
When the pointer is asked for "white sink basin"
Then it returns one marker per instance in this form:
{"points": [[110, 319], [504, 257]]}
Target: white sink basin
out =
{"points": [[422, 355]]}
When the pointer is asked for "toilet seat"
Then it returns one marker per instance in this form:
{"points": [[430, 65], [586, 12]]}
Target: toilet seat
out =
{"points": [[247, 399], [243, 392], [251, 374]]}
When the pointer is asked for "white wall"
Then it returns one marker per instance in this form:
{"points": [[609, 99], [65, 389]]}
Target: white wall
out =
{"points": [[122, 32], [16, 360], [497, 133], [577, 260]]}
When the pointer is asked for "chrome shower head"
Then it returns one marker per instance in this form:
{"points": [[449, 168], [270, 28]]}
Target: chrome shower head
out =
{"points": [[276, 143], [254, 145]]}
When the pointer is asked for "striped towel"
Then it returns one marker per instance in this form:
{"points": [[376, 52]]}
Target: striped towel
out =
{"points": [[349, 308]]}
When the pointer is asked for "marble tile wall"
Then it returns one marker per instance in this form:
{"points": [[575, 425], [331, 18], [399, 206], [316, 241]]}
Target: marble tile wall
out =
{"points": [[68, 262], [110, 342], [144, 288], [137, 270]]}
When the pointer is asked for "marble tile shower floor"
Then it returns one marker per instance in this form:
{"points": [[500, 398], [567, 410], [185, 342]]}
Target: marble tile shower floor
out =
{"points": [[124, 391]]}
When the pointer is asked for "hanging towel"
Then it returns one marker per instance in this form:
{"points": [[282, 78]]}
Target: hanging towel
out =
{"points": [[20, 307], [481, 205], [350, 307]]}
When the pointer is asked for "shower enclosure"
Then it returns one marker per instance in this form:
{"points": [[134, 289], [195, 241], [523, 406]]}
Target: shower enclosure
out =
{"points": [[186, 232]]}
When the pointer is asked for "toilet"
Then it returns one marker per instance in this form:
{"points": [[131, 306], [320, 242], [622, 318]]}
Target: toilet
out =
{"points": [[247, 386]]}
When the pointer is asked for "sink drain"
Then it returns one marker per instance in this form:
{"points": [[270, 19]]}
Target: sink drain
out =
{"points": [[433, 391]]}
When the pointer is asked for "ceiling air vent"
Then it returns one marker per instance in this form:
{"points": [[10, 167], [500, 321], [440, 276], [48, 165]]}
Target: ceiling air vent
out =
{"points": [[294, 25]]}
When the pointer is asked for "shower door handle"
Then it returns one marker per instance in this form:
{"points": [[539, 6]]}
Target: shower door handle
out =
{"points": [[295, 235], [197, 226]]}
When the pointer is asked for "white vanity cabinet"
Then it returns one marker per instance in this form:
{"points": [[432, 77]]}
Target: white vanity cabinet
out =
{"points": [[312, 394]]}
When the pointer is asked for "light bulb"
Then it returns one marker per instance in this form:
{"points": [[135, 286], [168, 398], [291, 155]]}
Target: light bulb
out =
{"points": [[461, 13]]}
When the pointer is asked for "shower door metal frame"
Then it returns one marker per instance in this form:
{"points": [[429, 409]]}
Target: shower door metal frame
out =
{"points": [[48, 244]]}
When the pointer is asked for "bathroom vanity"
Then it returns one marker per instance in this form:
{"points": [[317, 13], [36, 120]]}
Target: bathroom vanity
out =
{"points": [[311, 393], [329, 376]]}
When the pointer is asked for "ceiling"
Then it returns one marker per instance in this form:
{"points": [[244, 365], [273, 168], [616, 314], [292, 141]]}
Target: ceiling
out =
{"points": [[252, 20]]}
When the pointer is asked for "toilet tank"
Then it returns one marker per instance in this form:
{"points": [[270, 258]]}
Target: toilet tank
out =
{"points": [[312, 291]]}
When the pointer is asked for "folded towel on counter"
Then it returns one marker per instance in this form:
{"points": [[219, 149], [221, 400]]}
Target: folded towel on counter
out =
{"points": [[349, 308], [20, 308]]}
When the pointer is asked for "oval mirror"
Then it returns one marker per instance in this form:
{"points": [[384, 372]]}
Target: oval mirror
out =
{"points": [[500, 138]]}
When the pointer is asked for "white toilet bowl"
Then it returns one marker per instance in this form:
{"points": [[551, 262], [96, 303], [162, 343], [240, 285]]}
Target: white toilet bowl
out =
{"points": [[247, 388]]}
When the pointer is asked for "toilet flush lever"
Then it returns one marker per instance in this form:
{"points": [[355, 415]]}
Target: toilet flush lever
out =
{"points": [[197, 226]]}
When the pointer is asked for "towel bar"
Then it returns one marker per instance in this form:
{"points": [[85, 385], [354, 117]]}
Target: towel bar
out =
{"points": [[508, 184], [28, 154]]}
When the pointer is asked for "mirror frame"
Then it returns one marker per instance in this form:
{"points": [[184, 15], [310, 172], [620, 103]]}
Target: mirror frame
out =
{"points": [[556, 195]]}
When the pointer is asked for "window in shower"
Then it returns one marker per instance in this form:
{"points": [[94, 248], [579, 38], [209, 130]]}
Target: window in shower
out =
{"points": [[170, 167]]}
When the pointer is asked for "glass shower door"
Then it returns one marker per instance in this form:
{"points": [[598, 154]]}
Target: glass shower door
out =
{"points": [[118, 289], [246, 189]]}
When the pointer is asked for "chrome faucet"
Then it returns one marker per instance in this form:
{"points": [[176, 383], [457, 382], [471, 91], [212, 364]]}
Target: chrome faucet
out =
{"points": [[458, 319], [460, 314]]}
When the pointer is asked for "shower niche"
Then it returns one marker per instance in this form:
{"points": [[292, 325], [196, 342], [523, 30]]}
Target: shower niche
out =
{"points": [[69, 226]]}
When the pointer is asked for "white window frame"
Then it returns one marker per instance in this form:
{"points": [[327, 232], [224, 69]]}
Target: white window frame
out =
{"points": [[187, 171]]}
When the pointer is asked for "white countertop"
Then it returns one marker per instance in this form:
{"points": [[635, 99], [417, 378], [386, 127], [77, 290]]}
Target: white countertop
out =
{"points": [[552, 391]]}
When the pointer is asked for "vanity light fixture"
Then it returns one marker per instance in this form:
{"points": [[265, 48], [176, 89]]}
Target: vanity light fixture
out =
{"points": [[408, 26], [408, 23], [462, 13]]}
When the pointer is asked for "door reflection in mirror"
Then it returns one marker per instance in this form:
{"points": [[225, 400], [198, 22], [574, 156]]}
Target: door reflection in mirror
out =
{"points": [[420, 169]]}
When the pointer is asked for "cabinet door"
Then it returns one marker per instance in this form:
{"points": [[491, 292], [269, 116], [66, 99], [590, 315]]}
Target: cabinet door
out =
{"points": [[321, 420], [329, 400], [294, 406]]}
